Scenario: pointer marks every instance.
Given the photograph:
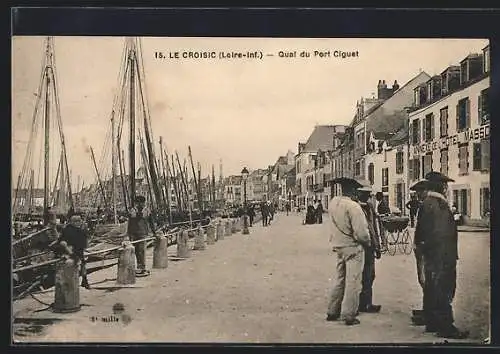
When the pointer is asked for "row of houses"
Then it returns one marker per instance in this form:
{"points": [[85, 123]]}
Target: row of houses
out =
{"points": [[438, 123]]}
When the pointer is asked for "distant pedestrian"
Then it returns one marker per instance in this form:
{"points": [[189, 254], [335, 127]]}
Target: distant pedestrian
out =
{"points": [[319, 212], [310, 215], [265, 213], [437, 232], [271, 211], [349, 236], [413, 204], [287, 207], [251, 214]]}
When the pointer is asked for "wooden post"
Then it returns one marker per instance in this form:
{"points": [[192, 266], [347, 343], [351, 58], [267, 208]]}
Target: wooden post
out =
{"points": [[211, 237], [160, 254], [67, 288], [199, 241], [126, 265]]}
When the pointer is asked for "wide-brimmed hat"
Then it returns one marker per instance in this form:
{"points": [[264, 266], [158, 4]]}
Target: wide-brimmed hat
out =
{"points": [[419, 185], [365, 189], [347, 182], [435, 176]]}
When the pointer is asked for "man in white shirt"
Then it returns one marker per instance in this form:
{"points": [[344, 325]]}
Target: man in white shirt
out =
{"points": [[349, 235]]}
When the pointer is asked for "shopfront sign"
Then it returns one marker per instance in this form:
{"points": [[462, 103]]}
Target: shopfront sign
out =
{"points": [[482, 132]]}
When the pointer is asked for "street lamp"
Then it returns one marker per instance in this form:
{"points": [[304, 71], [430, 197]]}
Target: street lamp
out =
{"points": [[244, 174]]}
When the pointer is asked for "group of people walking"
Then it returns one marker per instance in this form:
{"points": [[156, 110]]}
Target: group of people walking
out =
{"points": [[357, 241], [314, 213]]}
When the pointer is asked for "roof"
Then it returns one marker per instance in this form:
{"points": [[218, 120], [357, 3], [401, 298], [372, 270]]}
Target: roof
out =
{"points": [[282, 160], [400, 137], [320, 139]]}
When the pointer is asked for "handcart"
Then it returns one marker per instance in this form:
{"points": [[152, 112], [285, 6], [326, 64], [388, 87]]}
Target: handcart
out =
{"points": [[397, 234]]}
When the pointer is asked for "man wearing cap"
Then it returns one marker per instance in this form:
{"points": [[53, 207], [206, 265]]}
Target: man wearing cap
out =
{"points": [[73, 241], [140, 224], [437, 233], [372, 252], [420, 189], [349, 236]]}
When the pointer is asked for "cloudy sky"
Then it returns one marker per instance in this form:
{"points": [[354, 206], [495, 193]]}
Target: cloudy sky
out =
{"points": [[246, 112]]}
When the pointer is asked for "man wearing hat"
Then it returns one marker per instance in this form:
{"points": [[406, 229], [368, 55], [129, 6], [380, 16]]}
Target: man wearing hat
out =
{"points": [[437, 233], [372, 252], [349, 236], [73, 241], [420, 189], [140, 224]]}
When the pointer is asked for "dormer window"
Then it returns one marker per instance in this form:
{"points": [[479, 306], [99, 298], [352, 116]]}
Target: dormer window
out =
{"points": [[464, 71]]}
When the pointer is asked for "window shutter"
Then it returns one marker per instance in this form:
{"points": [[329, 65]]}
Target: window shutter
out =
{"points": [[468, 202], [481, 202], [432, 127], [467, 164], [410, 169], [410, 133], [479, 110], [458, 118], [467, 113], [485, 155], [417, 168]]}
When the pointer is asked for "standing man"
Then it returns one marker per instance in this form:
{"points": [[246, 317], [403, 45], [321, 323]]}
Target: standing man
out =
{"points": [[413, 204], [371, 253], [349, 235], [73, 241], [140, 224], [265, 212], [319, 212], [437, 233], [420, 188]]}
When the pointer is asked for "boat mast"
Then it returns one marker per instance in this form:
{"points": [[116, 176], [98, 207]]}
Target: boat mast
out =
{"points": [[113, 165], [131, 58], [46, 174]]}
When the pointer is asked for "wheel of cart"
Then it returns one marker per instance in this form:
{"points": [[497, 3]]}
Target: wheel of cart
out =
{"points": [[398, 236]]}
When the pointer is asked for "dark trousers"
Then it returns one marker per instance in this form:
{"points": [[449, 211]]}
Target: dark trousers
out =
{"points": [[264, 220], [320, 218], [140, 251], [251, 219], [439, 291], [412, 218], [366, 295]]}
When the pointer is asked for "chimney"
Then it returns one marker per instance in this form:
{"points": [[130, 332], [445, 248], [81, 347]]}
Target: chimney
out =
{"points": [[384, 85], [380, 89], [395, 86]]}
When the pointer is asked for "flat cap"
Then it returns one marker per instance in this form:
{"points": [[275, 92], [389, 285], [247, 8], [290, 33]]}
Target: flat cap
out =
{"points": [[435, 176]]}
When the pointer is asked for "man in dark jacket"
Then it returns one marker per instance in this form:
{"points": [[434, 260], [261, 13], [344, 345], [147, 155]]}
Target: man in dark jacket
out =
{"points": [[420, 189], [140, 224], [319, 212], [437, 233], [371, 252], [265, 213], [73, 241], [413, 204]]}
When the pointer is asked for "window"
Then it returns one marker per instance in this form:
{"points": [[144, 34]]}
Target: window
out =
{"points": [[385, 177], [415, 139], [483, 107], [485, 202], [399, 162], [481, 156], [414, 169], [464, 74], [426, 164], [443, 122], [444, 162], [385, 155], [371, 173], [358, 168], [429, 127], [463, 114], [463, 159]]}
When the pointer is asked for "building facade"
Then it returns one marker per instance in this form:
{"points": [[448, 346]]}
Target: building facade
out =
{"points": [[449, 133]]}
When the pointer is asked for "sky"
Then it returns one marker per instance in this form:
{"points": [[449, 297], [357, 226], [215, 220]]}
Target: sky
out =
{"points": [[247, 112]]}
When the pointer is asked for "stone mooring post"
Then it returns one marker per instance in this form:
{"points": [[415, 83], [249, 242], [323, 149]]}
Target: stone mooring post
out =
{"points": [[211, 234], [199, 239], [160, 253], [183, 250], [126, 265], [67, 287], [220, 230]]}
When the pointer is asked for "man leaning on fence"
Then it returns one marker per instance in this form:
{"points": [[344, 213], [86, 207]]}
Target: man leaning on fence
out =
{"points": [[140, 224], [349, 236]]}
